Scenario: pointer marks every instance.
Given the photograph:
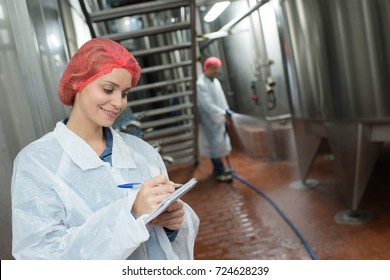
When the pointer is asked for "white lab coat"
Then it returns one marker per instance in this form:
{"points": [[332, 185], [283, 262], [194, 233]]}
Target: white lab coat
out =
{"points": [[213, 139], [66, 203]]}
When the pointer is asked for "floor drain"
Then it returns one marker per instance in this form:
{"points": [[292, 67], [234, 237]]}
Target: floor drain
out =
{"points": [[354, 217], [308, 184]]}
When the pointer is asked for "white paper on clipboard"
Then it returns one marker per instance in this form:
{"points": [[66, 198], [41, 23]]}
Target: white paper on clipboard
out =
{"points": [[170, 199]]}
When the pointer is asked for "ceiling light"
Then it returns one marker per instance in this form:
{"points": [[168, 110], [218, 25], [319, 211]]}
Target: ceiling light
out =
{"points": [[216, 10]]}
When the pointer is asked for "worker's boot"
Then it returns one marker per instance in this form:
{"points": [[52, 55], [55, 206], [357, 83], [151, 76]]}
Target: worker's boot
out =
{"points": [[224, 178]]}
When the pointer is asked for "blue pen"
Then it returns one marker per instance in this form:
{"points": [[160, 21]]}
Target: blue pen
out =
{"points": [[130, 186], [137, 186]]}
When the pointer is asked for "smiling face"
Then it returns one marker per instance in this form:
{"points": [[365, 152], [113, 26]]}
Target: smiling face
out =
{"points": [[101, 101]]}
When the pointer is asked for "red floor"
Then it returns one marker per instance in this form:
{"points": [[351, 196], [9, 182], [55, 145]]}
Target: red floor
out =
{"points": [[238, 223]]}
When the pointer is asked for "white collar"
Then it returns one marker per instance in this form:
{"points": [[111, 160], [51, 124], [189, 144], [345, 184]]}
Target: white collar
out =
{"points": [[85, 157]]}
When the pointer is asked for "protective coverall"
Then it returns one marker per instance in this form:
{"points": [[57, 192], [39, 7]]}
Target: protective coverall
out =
{"points": [[66, 203], [214, 142]]}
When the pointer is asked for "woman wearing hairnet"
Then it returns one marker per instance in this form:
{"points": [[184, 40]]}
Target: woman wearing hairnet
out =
{"points": [[65, 199], [214, 113]]}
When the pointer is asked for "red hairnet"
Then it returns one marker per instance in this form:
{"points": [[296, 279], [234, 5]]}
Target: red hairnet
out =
{"points": [[211, 61], [95, 58]]}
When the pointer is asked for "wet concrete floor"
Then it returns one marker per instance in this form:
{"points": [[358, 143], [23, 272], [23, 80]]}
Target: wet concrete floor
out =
{"points": [[238, 223]]}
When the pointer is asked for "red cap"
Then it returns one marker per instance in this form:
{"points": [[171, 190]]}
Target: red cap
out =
{"points": [[211, 61]]}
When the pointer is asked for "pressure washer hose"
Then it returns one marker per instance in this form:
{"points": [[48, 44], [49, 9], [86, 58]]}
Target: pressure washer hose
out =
{"points": [[266, 197]]}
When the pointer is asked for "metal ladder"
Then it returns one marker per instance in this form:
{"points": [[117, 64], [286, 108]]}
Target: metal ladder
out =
{"points": [[161, 36]]}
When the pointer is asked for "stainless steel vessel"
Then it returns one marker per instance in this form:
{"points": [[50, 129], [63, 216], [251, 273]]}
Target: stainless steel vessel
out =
{"points": [[338, 59], [341, 51]]}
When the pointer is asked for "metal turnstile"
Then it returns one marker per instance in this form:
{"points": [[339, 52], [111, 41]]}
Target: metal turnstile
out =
{"points": [[161, 36]]}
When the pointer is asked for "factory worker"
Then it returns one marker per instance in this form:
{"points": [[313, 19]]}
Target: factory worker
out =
{"points": [[65, 199], [214, 113]]}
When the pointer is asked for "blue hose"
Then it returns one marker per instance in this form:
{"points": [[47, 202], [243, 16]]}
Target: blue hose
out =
{"points": [[266, 197]]}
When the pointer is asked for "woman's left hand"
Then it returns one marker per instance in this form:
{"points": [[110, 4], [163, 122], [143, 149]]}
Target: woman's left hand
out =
{"points": [[172, 218]]}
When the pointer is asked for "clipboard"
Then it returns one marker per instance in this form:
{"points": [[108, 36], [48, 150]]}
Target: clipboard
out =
{"points": [[171, 199]]}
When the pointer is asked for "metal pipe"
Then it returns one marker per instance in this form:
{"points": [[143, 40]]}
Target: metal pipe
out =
{"points": [[148, 31], [234, 22], [225, 30], [152, 69], [177, 146], [161, 84], [166, 121], [178, 138], [88, 18], [137, 9], [194, 73], [278, 118], [158, 98], [162, 49], [165, 110], [164, 131]]}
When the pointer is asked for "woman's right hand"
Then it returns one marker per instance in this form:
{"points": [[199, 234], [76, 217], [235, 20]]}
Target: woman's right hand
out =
{"points": [[151, 194]]}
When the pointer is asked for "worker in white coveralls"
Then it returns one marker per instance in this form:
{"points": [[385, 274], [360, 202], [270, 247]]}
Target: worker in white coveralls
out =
{"points": [[214, 114], [66, 197]]}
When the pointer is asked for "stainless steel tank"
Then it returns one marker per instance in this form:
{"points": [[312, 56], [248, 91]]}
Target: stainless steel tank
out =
{"points": [[338, 60], [341, 50]]}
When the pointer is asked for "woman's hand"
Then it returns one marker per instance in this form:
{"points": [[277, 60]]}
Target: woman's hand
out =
{"points": [[172, 218], [151, 194]]}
